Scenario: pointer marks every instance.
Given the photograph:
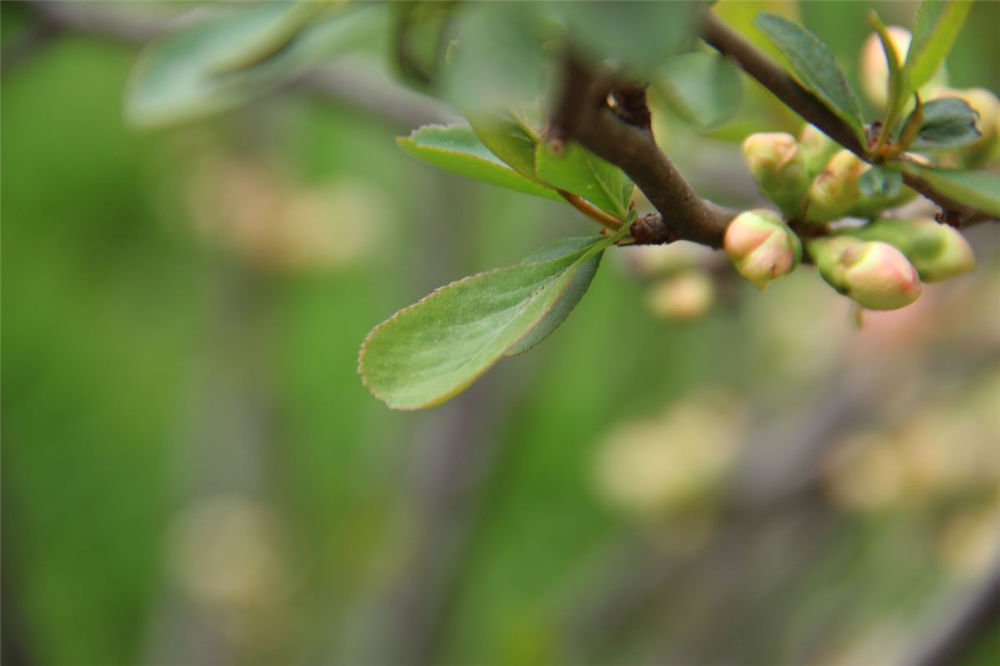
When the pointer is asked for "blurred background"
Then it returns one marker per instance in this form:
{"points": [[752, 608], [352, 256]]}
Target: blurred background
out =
{"points": [[688, 472]]}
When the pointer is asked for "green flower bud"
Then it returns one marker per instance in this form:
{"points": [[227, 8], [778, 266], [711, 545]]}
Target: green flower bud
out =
{"points": [[835, 191], [937, 251], [817, 149], [762, 246], [776, 164], [874, 274], [875, 70]]}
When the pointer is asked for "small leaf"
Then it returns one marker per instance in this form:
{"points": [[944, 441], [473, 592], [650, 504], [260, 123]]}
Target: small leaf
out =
{"points": [[935, 27], [979, 189], [234, 54], [881, 182], [456, 148], [569, 299], [432, 350], [508, 138], [815, 68], [703, 88], [897, 93], [579, 171], [948, 122]]}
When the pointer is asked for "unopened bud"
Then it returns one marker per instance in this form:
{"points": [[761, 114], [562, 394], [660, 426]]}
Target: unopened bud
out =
{"points": [[776, 164], [937, 251], [985, 103], [874, 274], [835, 190], [761, 246], [817, 149], [875, 70], [685, 296]]}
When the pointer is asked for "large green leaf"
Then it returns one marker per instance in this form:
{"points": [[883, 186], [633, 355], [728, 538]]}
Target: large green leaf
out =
{"points": [[497, 59], [815, 67], [703, 88], [980, 189], [579, 171], [432, 350], [569, 299], [639, 35], [935, 27], [948, 122], [456, 148], [232, 54]]}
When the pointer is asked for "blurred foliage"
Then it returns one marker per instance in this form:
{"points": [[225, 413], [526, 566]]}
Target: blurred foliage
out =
{"points": [[192, 471]]}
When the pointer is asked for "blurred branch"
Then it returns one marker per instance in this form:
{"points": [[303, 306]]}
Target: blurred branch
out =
{"points": [[773, 77], [369, 92], [964, 626]]}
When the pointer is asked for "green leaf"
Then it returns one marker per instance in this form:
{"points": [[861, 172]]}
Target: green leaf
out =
{"points": [[979, 189], [640, 35], [233, 54], [456, 148], [570, 298], [898, 94], [948, 122], [815, 68], [935, 27], [432, 350], [881, 182], [579, 171], [510, 139], [497, 60], [703, 88]]}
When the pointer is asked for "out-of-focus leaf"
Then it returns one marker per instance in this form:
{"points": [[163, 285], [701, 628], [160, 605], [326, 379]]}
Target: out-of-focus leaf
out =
{"points": [[456, 148], [419, 36], [881, 182], [508, 138], [815, 67], [935, 27], [703, 88], [980, 189], [432, 350], [497, 61], [740, 15], [948, 122], [640, 35], [578, 286], [233, 54], [579, 171]]}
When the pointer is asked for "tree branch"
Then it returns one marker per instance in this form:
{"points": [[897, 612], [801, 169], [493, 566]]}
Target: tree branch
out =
{"points": [[625, 139], [773, 77]]}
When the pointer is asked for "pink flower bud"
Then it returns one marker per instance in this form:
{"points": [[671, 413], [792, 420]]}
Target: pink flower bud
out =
{"points": [[874, 274], [776, 164], [937, 251], [761, 246], [684, 297]]}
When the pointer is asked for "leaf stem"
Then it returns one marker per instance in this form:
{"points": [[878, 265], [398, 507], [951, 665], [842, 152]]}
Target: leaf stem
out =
{"points": [[604, 219]]}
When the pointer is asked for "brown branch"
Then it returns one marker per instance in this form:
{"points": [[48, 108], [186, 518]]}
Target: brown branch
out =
{"points": [[966, 626], [582, 114], [773, 77]]}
